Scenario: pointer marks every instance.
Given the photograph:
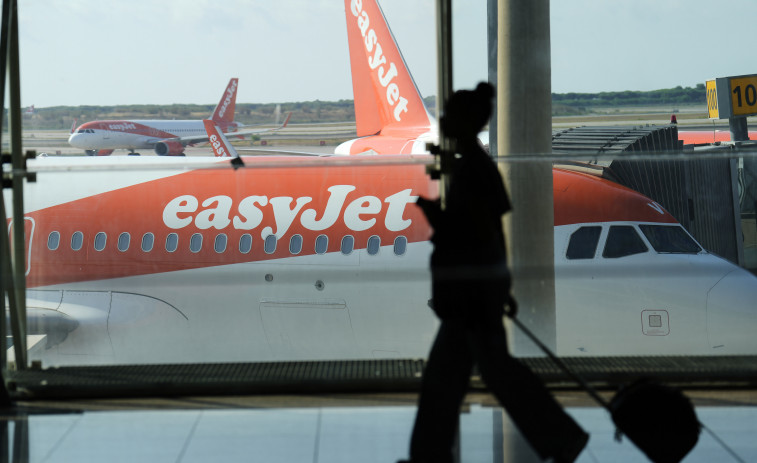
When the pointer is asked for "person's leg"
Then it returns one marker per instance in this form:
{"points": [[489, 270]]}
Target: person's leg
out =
{"points": [[540, 419], [443, 388]]}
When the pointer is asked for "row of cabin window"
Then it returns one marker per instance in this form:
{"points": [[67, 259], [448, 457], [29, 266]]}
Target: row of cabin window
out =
{"points": [[221, 240]]}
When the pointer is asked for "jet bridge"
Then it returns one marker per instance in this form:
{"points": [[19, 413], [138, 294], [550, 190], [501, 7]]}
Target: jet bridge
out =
{"points": [[698, 188], [616, 139]]}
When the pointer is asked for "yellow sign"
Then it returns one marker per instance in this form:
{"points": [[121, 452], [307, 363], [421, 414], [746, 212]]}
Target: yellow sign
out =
{"points": [[712, 100], [743, 95]]}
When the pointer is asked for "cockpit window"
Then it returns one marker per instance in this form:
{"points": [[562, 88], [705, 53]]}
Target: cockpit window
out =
{"points": [[671, 239], [623, 240], [583, 243]]}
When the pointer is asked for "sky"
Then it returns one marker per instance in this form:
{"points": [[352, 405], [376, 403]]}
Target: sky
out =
{"points": [[91, 52]]}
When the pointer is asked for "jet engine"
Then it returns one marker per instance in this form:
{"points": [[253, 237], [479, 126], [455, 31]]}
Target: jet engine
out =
{"points": [[169, 148]]}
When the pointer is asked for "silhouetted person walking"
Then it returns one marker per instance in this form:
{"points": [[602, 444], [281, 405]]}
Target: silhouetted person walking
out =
{"points": [[471, 287]]}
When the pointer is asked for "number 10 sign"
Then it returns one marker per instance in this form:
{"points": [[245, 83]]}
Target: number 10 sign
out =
{"points": [[732, 97]]}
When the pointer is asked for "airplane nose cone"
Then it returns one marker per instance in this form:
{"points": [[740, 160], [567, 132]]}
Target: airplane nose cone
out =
{"points": [[73, 140], [732, 314]]}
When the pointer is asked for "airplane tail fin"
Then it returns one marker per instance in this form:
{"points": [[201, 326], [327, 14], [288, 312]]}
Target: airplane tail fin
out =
{"points": [[73, 126], [225, 109], [221, 146], [384, 91], [286, 121]]}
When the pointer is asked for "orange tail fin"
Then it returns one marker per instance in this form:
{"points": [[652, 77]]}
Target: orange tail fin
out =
{"points": [[221, 146], [224, 111], [385, 93]]}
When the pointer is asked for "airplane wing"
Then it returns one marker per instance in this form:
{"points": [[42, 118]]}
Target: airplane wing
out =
{"points": [[202, 139]]}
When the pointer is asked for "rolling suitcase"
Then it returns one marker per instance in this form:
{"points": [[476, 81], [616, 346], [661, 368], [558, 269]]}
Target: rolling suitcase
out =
{"points": [[658, 419]]}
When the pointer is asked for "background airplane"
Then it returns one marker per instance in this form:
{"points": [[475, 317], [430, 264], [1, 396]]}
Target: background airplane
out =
{"points": [[165, 137]]}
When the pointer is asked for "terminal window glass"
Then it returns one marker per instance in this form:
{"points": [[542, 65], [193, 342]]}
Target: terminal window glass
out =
{"points": [[124, 239], [195, 242], [623, 240], [172, 242], [148, 240], [245, 243], [53, 241], [77, 241], [583, 243], [671, 239]]}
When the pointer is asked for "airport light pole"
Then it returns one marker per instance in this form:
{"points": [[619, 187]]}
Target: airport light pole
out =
{"points": [[524, 127]]}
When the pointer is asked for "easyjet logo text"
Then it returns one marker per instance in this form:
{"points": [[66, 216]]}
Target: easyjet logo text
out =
{"points": [[218, 147], [377, 61], [126, 126], [227, 101], [281, 212]]}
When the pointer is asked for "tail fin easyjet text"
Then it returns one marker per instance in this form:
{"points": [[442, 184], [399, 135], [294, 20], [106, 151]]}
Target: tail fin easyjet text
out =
{"points": [[223, 114], [220, 144], [384, 91]]}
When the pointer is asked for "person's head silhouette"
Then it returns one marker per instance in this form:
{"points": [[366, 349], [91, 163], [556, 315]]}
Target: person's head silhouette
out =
{"points": [[467, 112]]}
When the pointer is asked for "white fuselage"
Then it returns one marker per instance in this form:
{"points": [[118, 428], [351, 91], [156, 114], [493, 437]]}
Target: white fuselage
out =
{"points": [[354, 304], [136, 134]]}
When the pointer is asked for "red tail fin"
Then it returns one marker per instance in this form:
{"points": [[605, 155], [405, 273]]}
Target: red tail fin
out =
{"points": [[385, 93], [224, 112], [221, 146], [286, 121]]}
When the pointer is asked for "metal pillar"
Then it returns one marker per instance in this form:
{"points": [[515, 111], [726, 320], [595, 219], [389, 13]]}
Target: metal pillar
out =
{"points": [[738, 128], [12, 266], [491, 45], [444, 91], [18, 323], [524, 126], [444, 87]]}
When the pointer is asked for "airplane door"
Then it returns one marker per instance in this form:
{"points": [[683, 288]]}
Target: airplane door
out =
{"points": [[28, 237]]}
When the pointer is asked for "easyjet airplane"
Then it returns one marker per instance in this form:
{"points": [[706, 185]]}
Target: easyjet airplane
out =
{"points": [[326, 257], [166, 137]]}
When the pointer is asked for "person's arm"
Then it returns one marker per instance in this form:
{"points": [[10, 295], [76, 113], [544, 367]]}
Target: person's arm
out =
{"points": [[432, 209]]}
